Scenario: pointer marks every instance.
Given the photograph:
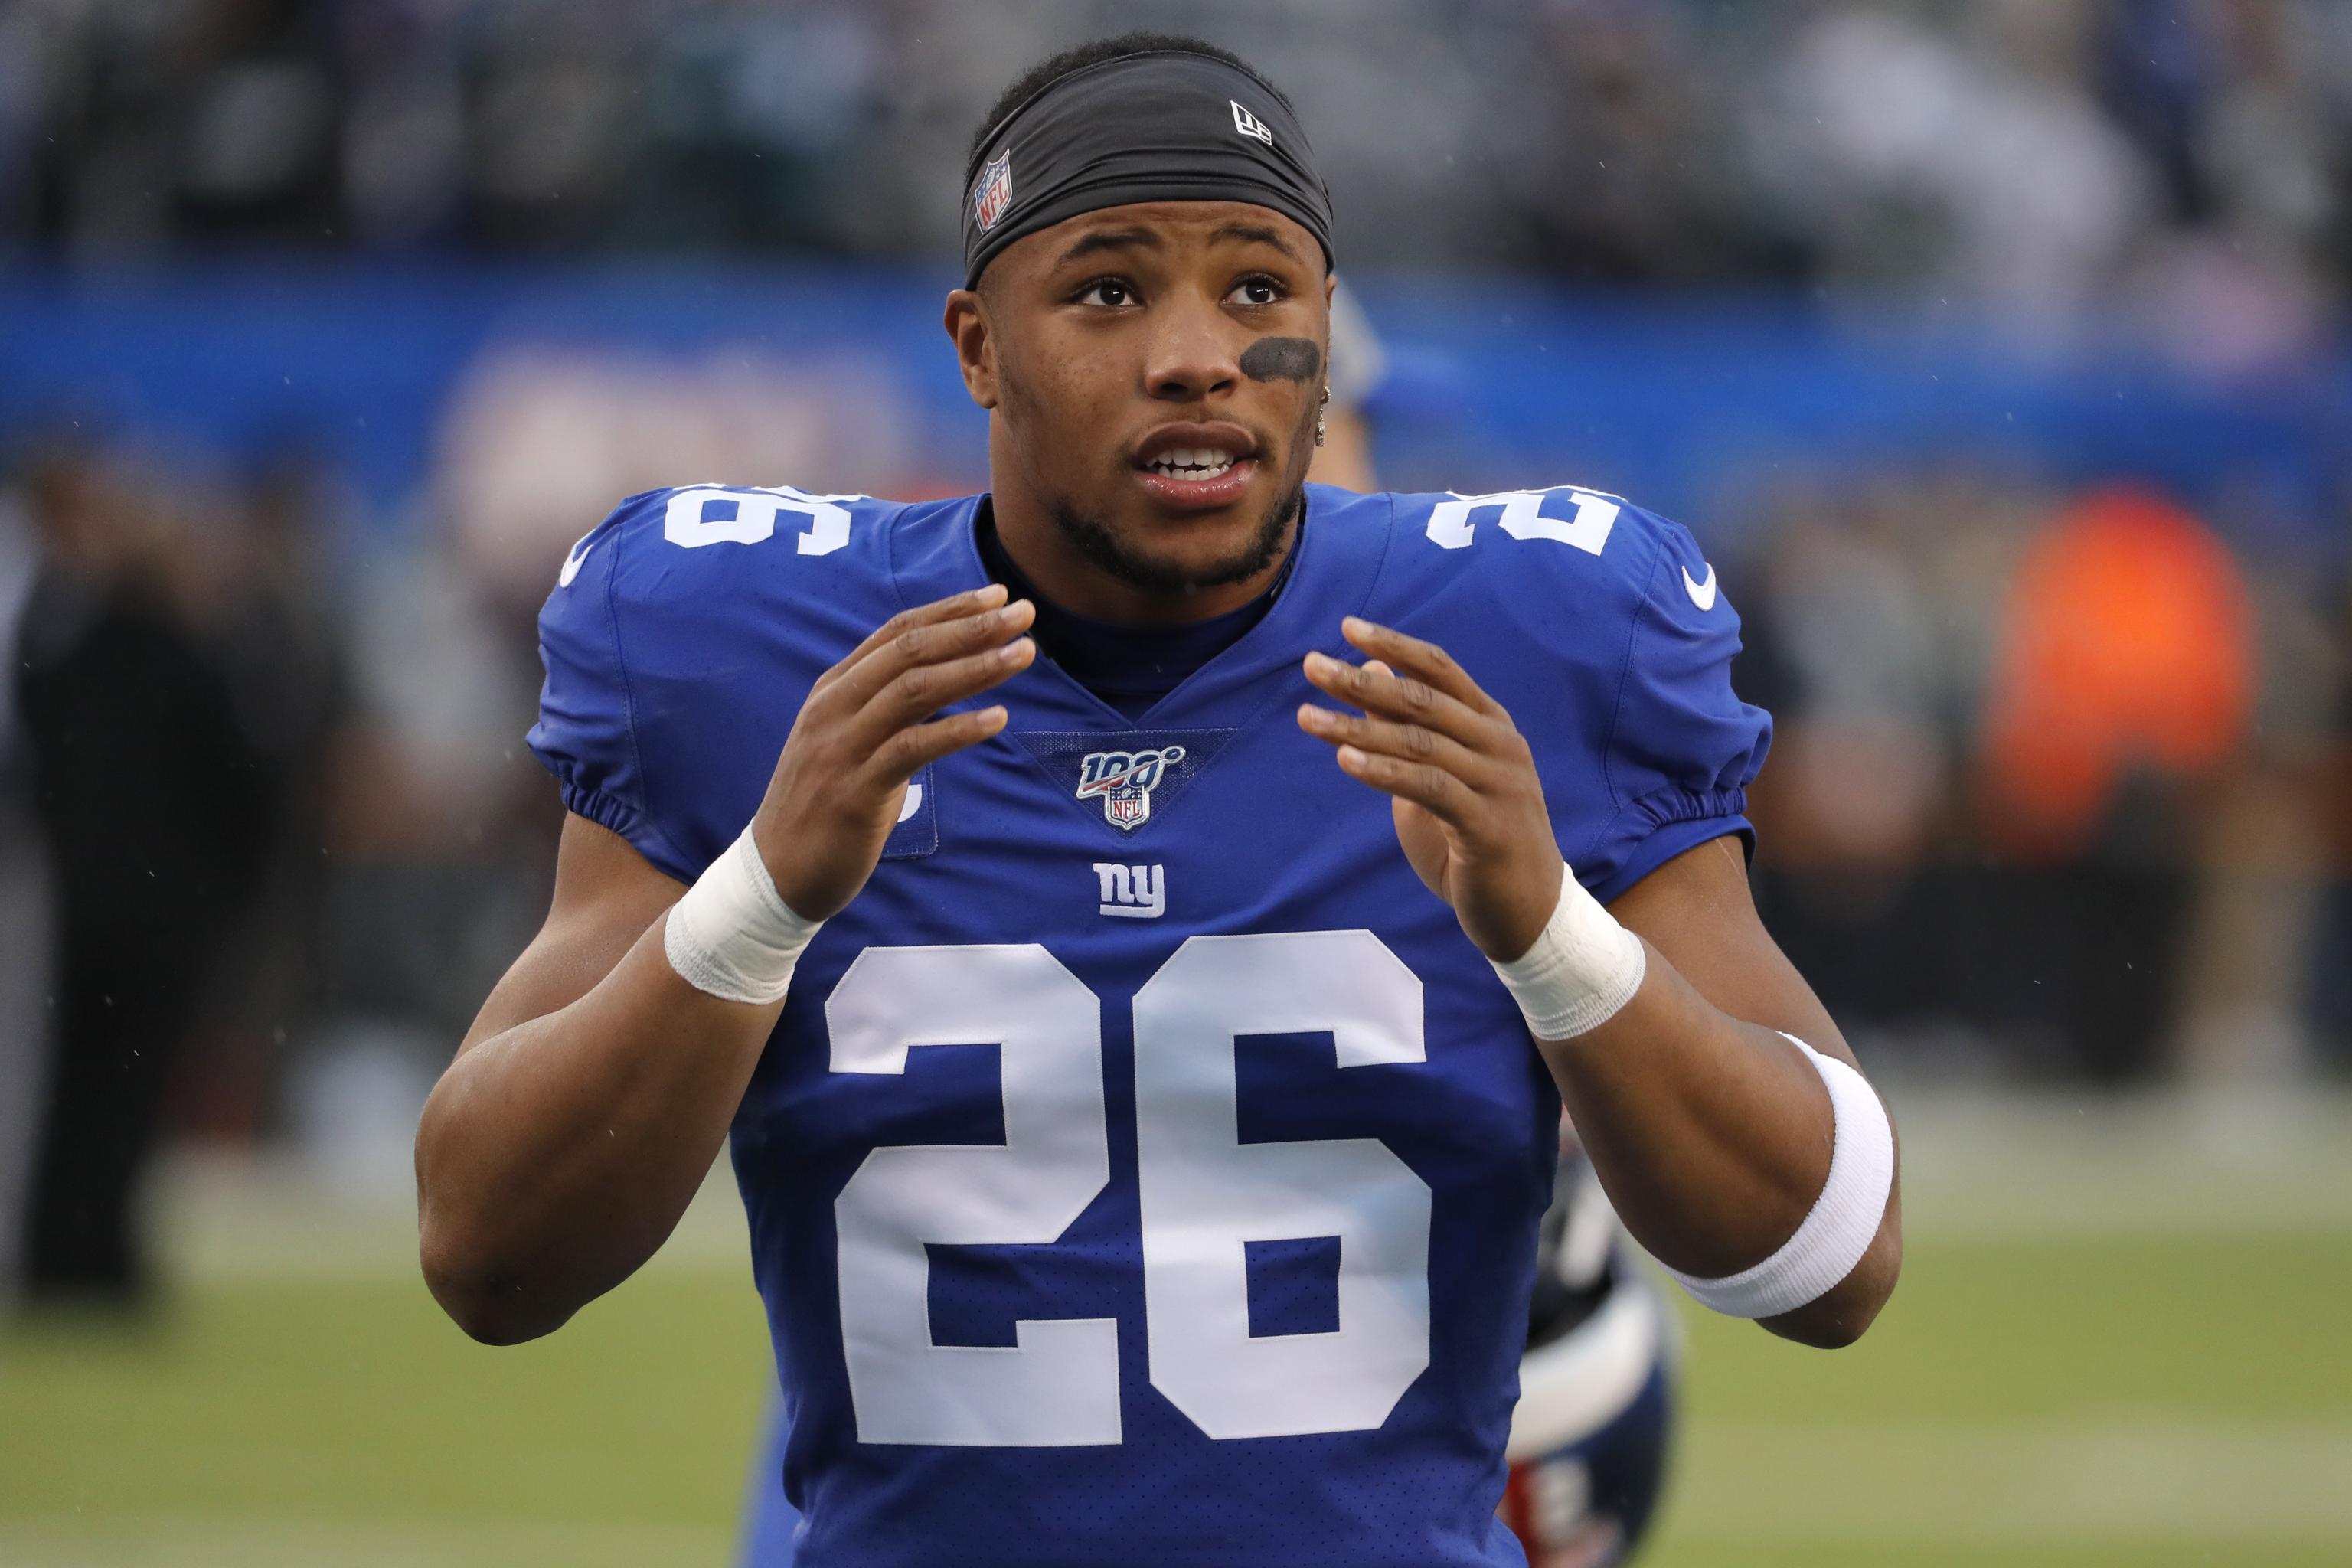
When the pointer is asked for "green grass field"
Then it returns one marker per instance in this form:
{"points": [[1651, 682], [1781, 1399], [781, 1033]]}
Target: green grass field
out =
{"points": [[2119, 1339]]}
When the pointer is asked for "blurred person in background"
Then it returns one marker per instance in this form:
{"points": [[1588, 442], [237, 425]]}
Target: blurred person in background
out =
{"points": [[153, 802], [1844, 642], [26, 922], [271, 626], [2011, 714], [2121, 684]]}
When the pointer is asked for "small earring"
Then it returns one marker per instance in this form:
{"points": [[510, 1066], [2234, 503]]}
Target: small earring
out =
{"points": [[1318, 417]]}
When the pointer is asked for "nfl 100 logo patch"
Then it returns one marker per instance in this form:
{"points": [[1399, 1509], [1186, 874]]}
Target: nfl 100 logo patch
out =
{"points": [[1124, 781], [993, 192]]}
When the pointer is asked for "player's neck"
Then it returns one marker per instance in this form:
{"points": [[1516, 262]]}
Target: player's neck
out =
{"points": [[1069, 580]]}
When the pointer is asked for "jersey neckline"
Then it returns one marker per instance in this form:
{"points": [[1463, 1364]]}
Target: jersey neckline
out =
{"points": [[1337, 560]]}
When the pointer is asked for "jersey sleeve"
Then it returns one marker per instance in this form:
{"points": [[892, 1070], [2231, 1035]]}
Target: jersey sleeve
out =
{"points": [[586, 732], [1683, 748]]}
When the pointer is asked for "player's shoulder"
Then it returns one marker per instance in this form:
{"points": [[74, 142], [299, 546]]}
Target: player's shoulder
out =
{"points": [[1571, 565], [694, 539], [767, 560]]}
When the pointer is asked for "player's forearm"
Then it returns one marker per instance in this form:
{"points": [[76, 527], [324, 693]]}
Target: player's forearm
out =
{"points": [[1712, 1138], [555, 1157]]}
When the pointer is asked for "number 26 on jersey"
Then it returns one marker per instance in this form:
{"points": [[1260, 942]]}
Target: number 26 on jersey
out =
{"points": [[1203, 1194]]}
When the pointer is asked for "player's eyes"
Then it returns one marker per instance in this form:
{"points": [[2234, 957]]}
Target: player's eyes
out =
{"points": [[1256, 292], [1105, 291]]}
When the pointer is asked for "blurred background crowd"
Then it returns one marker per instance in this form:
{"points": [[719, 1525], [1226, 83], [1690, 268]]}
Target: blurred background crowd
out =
{"points": [[1996, 350], [2042, 151]]}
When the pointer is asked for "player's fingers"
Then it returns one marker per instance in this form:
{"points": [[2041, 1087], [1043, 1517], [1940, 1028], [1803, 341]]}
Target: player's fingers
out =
{"points": [[971, 603], [908, 751], [1402, 698], [1416, 658], [1410, 742], [931, 643], [1425, 784], [917, 693]]}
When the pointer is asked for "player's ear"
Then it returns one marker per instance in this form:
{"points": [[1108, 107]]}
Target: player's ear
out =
{"points": [[1331, 293], [974, 337]]}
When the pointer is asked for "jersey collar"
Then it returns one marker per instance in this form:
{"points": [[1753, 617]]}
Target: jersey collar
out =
{"points": [[1343, 539]]}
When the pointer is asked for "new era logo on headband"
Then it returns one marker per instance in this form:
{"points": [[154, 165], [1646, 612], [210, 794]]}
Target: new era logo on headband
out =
{"points": [[1249, 124], [993, 193]]}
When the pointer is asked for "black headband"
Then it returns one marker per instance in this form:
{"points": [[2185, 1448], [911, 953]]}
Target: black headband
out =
{"points": [[1165, 125]]}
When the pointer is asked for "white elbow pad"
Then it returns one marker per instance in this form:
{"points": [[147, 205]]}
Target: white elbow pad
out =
{"points": [[1845, 1219]]}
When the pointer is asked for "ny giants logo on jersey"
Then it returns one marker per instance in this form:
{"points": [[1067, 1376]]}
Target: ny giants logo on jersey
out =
{"points": [[993, 192], [1125, 781]]}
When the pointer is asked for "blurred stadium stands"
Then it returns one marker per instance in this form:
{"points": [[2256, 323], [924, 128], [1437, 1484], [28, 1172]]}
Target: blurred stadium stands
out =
{"points": [[1996, 351]]}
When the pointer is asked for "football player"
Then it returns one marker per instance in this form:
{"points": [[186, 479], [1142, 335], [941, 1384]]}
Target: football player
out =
{"points": [[1590, 1433], [1135, 929]]}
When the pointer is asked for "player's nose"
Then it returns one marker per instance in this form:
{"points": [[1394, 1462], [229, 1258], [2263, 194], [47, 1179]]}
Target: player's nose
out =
{"points": [[1187, 354]]}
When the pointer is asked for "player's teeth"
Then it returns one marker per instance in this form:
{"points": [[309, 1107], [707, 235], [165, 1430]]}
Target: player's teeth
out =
{"points": [[1193, 463]]}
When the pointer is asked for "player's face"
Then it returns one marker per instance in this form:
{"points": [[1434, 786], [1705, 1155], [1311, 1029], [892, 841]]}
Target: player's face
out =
{"points": [[1155, 371]]}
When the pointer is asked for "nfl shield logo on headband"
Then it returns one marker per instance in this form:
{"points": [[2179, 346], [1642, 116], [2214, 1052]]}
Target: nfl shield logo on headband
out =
{"points": [[993, 194]]}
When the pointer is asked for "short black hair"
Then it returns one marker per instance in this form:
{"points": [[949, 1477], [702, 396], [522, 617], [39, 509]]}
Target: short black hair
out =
{"points": [[1054, 67]]}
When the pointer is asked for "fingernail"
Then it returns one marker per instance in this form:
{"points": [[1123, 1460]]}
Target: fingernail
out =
{"points": [[1350, 757], [1320, 661]]}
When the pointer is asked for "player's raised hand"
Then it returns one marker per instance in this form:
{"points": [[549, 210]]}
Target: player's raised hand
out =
{"points": [[1461, 779], [867, 729]]}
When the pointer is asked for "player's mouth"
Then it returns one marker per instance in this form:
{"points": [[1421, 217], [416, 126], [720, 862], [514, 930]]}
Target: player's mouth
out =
{"points": [[1196, 467]]}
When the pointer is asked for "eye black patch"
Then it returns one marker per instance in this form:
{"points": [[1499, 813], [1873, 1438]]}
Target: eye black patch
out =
{"points": [[1282, 359]]}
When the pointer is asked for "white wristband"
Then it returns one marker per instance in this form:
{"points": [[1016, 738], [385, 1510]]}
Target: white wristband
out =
{"points": [[1843, 1221], [1581, 970], [733, 935]]}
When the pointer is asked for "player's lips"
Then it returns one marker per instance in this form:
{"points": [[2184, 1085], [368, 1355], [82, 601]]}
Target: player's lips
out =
{"points": [[1197, 465]]}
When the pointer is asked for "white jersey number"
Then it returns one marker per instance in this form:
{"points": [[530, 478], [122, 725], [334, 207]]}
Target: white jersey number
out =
{"points": [[1452, 523], [722, 515], [1060, 1385], [1204, 1193]]}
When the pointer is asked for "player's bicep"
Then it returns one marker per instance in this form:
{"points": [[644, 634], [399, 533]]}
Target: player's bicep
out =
{"points": [[1698, 911], [606, 894]]}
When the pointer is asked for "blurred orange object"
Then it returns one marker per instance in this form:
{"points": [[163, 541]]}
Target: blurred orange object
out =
{"points": [[2126, 645]]}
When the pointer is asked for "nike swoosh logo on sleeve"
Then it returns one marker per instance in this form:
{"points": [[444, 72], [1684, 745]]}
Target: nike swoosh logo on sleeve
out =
{"points": [[1702, 594], [571, 562]]}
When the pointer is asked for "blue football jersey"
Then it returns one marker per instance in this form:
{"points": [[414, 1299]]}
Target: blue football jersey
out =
{"points": [[1145, 1168]]}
